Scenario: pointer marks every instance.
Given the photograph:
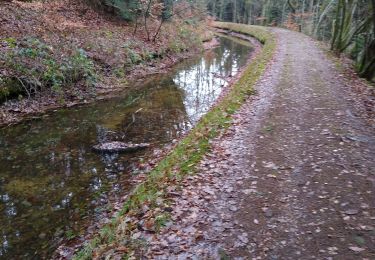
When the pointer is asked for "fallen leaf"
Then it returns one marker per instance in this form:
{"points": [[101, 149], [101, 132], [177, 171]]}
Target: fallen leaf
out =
{"points": [[356, 249]]}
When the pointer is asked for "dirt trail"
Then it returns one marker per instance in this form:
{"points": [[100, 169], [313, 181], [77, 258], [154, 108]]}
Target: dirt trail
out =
{"points": [[293, 178]]}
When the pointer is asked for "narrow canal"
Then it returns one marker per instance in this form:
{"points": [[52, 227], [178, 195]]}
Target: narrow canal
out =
{"points": [[51, 181]]}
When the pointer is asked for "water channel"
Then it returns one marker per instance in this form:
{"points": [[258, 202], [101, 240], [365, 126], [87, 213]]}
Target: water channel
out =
{"points": [[51, 180]]}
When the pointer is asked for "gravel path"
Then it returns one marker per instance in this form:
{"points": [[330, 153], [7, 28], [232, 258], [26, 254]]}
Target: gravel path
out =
{"points": [[293, 178]]}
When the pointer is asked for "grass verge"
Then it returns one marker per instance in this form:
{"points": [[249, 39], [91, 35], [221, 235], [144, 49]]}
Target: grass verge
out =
{"points": [[183, 159]]}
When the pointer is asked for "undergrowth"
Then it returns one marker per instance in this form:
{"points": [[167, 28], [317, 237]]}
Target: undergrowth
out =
{"points": [[32, 66], [183, 159], [119, 53]]}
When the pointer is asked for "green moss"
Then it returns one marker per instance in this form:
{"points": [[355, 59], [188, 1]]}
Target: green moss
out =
{"points": [[183, 159]]}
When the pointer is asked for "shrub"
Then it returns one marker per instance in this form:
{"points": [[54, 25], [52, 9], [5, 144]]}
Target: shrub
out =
{"points": [[31, 66], [127, 9], [180, 37]]}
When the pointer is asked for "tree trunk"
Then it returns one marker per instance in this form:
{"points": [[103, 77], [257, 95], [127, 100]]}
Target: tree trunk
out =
{"points": [[336, 25], [264, 12], [135, 26], [368, 70], [283, 11], [292, 7], [321, 17], [158, 30], [214, 9], [311, 6], [373, 15], [293, 11], [145, 18], [234, 11], [250, 14], [222, 9], [302, 19]]}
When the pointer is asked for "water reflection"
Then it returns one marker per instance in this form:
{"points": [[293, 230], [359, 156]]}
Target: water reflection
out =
{"points": [[49, 177], [202, 84]]}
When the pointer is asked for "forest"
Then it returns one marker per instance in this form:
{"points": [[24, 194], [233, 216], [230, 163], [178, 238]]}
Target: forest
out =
{"points": [[348, 25]]}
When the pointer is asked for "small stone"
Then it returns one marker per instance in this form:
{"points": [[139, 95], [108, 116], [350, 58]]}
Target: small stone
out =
{"points": [[243, 239], [332, 250], [249, 191], [351, 212], [356, 249], [233, 208], [268, 213]]}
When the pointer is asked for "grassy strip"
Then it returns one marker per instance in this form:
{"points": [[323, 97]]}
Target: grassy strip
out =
{"points": [[183, 159]]}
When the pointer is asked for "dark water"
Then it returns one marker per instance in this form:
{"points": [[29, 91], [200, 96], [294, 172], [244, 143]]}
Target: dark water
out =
{"points": [[51, 181]]}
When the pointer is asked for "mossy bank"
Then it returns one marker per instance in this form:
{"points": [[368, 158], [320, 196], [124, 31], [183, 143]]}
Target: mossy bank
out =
{"points": [[148, 200]]}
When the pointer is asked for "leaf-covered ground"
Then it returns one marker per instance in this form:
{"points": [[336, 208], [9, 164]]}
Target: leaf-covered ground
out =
{"points": [[291, 179]]}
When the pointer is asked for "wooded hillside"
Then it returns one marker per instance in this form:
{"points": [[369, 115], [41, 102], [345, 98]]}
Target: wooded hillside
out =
{"points": [[71, 50]]}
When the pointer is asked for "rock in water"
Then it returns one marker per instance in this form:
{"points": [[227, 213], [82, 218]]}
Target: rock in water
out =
{"points": [[119, 147]]}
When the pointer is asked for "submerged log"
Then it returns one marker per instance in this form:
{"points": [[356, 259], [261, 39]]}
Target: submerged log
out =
{"points": [[119, 147]]}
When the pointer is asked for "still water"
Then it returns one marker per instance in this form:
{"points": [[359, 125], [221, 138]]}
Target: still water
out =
{"points": [[51, 180]]}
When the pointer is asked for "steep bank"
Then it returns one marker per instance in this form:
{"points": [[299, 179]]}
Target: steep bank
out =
{"points": [[63, 52]]}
